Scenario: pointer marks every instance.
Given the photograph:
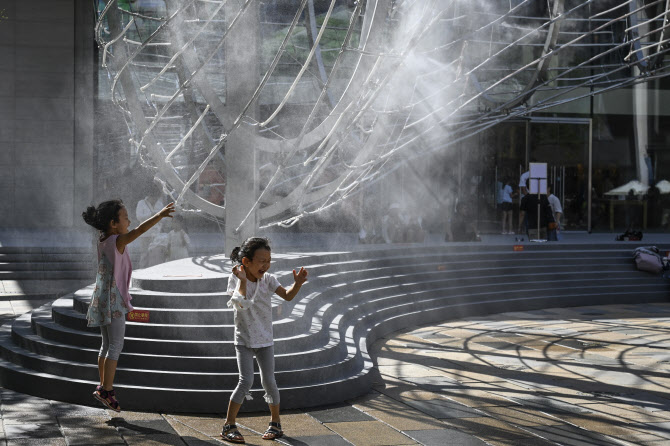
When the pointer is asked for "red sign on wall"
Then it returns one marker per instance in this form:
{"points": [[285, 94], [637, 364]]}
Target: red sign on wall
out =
{"points": [[518, 247], [138, 316]]}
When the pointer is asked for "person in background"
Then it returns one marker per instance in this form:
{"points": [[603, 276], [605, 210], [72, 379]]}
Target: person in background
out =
{"points": [[507, 207], [523, 191], [523, 183], [395, 225], [528, 211], [154, 246], [463, 223], [557, 211], [178, 240]]}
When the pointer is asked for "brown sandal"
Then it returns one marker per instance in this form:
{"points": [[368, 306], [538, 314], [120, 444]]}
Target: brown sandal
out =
{"points": [[231, 434], [274, 431]]}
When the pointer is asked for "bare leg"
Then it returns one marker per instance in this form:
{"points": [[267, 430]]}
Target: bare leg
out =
{"points": [[273, 432], [274, 412], [109, 372], [233, 409], [101, 368]]}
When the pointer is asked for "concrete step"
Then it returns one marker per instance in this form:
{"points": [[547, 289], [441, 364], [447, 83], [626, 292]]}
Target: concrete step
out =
{"points": [[192, 324], [45, 275], [321, 338], [161, 300], [175, 400], [23, 336], [216, 278], [307, 373], [45, 266]]}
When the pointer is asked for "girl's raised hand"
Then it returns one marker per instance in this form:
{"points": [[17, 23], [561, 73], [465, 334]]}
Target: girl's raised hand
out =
{"points": [[239, 272], [301, 276], [167, 211]]}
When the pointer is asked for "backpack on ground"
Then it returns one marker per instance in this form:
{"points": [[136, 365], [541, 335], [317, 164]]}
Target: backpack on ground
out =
{"points": [[648, 258]]}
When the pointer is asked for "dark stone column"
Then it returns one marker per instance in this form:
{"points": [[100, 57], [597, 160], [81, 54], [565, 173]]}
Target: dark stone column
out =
{"points": [[85, 68]]}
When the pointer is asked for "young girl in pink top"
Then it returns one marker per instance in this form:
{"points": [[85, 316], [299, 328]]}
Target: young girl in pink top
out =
{"points": [[111, 300]]}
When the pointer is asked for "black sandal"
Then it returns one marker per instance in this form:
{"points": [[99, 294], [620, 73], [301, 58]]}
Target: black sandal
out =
{"points": [[107, 397], [231, 434], [274, 431]]}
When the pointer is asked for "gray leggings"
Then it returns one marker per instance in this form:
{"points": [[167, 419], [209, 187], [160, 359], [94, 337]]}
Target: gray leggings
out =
{"points": [[265, 356], [112, 338]]}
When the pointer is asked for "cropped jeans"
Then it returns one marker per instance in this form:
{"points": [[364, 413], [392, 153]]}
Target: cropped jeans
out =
{"points": [[112, 338], [265, 356]]}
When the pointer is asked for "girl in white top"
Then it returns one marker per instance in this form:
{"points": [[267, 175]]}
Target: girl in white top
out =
{"points": [[252, 288]]}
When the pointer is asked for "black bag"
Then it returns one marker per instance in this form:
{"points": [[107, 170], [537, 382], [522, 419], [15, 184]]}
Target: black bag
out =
{"points": [[629, 236]]}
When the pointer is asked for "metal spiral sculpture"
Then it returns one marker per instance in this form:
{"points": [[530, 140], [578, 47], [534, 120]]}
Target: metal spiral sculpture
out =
{"points": [[348, 90]]}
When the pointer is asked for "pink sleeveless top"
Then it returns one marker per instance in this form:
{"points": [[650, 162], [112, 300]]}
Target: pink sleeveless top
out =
{"points": [[123, 268]]}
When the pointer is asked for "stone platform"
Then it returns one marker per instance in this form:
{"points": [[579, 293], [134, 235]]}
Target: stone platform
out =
{"points": [[569, 376], [182, 360]]}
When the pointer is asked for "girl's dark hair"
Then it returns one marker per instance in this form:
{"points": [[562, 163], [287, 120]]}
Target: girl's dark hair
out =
{"points": [[249, 248], [106, 211]]}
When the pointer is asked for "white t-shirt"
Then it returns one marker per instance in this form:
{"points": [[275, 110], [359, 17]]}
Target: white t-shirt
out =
{"points": [[523, 181], [555, 204], [145, 210], [507, 194], [178, 244], [253, 324]]}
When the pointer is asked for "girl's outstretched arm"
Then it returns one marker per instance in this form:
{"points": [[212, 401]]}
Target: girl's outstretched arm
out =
{"points": [[299, 278], [124, 239]]}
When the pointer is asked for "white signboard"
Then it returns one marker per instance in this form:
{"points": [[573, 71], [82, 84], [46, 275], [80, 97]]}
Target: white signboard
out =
{"points": [[538, 170], [538, 178], [536, 183]]}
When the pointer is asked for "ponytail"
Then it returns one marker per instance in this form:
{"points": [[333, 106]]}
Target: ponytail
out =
{"points": [[234, 254], [100, 217], [249, 248], [89, 216]]}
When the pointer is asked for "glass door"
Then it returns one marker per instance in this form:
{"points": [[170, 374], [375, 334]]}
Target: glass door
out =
{"points": [[564, 144]]}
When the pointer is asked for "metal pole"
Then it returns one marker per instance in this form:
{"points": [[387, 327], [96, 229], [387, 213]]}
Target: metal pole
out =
{"points": [[590, 182], [538, 209], [563, 186]]}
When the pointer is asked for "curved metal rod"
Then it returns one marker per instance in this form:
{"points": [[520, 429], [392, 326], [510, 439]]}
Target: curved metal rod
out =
{"points": [[298, 195], [303, 68], [312, 31], [299, 139], [546, 104], [225, 115], [151, 37], [540, 72], [634, 29], [656, 60], [207, 91], [184, 46], [504, 107], [136, 112]]}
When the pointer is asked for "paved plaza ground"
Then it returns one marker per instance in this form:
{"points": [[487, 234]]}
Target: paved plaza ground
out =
{"points": [[573, 376]]}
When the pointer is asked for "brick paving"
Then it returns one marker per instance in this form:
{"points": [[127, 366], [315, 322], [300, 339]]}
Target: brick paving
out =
{"points": [[572, 376]]}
